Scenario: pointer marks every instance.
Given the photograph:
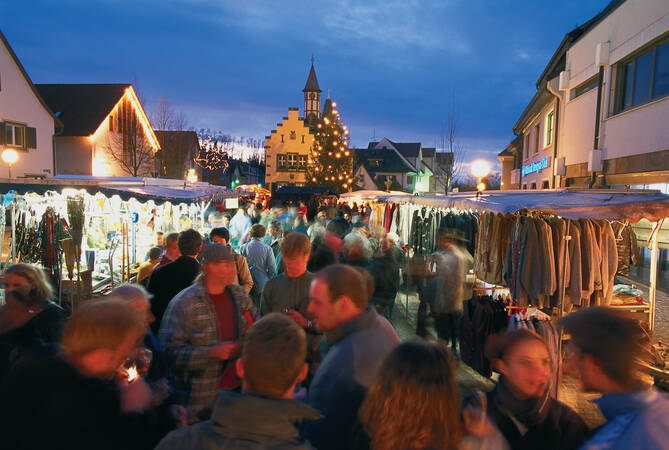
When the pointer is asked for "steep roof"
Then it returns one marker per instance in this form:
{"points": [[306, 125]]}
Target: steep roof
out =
{"points": [[406, 149], [81, 107], [27, 78], [312, 82], [177, 139], [429, 152], [390, 161]]}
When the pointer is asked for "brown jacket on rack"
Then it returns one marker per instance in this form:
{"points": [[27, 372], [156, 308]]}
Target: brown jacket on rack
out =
{"points": [[559, 230], [628, 251], [590, 261], [547, 258], [609, 264], [574, 288]]}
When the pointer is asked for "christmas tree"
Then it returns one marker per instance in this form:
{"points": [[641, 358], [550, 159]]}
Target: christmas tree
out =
{"points": [[331, 161]]}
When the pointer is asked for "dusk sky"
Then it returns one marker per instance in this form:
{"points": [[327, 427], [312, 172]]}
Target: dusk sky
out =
{"points": [[391, 65]]}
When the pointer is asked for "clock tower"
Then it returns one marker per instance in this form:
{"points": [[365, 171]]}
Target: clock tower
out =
{"points": [[312, 98]]}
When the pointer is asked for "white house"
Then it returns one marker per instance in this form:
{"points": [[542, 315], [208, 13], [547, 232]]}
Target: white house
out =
{"points": [[26, 123]]}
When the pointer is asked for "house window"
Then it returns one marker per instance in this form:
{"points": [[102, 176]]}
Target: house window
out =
{"points": [[536, 139], [293, 136], [548, 129], [302, 162], [584, 87], [544, 185], [527, 146], [303, 139], [291, 160], [644, 78], [111, 122], [533, 186], [525, 186], [15, 135], [409, 179], [281, 162], [375, 162]]}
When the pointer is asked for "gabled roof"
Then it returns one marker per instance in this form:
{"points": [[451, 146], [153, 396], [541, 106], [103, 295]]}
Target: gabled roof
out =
{"points": [[390, 161], [312, 82], [169, 139], [429, 152], [541, 98], [27, 78], [406, 149], [81, 107]]}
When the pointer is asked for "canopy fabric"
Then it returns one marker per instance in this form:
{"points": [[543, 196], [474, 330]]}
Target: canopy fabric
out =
{"points": [[186, 194], [371, 194], [571, 204], [142, 189]]}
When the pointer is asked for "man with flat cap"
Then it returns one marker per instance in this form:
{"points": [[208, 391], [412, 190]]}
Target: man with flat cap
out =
{"points": [[202, 331]]}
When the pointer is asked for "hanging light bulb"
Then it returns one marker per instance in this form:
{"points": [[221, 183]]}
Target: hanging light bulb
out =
{"points": [[313, 179], [338, 155], [329, 153], [344, 185], [340, 178], [347, 153]]}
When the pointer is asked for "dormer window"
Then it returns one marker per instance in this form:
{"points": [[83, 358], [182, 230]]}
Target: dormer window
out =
{"points": [[376, 162]]}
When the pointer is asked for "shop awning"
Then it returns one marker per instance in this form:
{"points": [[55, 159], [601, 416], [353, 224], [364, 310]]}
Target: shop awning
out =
{"points": [[571, 204], [143, 189], [371, 194]]}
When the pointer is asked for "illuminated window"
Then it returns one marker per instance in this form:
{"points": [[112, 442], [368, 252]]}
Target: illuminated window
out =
{"points": [[548, 129], [536, 139]]}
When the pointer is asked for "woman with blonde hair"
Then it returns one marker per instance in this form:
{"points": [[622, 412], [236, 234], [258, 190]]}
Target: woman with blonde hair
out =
{"points": [[414, 404], [29, 321]]}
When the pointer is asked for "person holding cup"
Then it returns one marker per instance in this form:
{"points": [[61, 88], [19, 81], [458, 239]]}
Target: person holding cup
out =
{"points": [[202, 331]]}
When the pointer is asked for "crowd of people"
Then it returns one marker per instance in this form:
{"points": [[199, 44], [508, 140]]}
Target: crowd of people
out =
{"points": [[275, 331]]}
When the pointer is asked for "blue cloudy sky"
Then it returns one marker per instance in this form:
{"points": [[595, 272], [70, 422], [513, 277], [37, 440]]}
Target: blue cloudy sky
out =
{"points": [[392, 65]]}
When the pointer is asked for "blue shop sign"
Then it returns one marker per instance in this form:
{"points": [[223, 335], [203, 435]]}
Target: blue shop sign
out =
{"points": [[535, 167]]}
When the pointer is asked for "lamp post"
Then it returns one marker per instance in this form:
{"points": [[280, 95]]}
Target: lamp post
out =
{"points": [[10, 156], [480, 169]]}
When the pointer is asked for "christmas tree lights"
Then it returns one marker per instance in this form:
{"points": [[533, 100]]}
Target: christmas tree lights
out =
{"points": [[331, 162]]}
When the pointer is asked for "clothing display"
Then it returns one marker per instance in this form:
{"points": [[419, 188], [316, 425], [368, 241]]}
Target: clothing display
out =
{"points": [[628, 251], [483, 317]]}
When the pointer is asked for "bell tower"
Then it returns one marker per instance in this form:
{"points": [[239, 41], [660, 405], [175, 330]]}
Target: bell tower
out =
{"points": [[312, 98]]}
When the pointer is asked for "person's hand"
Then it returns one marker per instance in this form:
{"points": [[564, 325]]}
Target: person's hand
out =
{"points": [[179, 414], [476, 422], [160, 391], [225, 350], [135, 396], [297, 318]]}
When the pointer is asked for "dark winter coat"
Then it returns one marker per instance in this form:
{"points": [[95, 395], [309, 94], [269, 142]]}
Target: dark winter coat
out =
{"points": [[244, 421]]}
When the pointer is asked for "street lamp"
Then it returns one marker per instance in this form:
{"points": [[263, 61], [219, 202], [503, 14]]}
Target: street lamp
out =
{"points": [[480, 169], [10, 156]]}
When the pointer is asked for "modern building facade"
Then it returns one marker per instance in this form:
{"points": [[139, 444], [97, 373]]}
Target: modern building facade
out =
{"points": [[599, 117]]}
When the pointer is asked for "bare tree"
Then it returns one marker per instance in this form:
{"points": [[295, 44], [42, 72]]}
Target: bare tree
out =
{"points": [[131, 149], [163, 116], [449, 143], [179, 123]]}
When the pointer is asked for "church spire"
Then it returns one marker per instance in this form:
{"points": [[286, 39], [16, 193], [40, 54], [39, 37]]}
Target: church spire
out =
{"points": [[312, 98]]}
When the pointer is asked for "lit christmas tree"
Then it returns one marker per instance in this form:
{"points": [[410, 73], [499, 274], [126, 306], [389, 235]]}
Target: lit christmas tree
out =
{"points": [[331, 161]]}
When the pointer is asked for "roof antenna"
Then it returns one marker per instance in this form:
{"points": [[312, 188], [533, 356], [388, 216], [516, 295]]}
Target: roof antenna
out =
{"points": [[373, 138], [328, 92]]}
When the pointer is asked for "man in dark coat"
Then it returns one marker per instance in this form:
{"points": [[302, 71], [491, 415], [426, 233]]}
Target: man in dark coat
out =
{"points": [[168, 280]]}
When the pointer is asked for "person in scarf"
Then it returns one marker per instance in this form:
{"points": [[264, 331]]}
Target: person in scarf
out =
{"points": [[520, 405]]}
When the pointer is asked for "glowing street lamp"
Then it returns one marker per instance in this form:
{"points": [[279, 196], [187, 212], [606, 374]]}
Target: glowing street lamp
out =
{"points": [[480, 169], [10, 157]]}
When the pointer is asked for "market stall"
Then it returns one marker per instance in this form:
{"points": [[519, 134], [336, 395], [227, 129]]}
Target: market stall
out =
{"points": [[564, 223], [100, 227]]}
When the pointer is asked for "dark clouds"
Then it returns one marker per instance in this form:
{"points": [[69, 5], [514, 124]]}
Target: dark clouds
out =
{"points": [[392, 65]]}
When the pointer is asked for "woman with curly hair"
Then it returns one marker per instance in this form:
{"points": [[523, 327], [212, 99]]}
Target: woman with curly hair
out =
{"points": [[414, 404]]}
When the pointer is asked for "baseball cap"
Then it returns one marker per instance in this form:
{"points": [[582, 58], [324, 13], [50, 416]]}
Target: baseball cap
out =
{"points": [[216, 253]]}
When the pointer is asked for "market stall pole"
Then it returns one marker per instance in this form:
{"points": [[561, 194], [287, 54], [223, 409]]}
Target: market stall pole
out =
{"points": [[654, 256]]}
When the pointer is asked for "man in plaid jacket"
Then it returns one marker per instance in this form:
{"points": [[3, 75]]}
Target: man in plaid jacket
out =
{"points": [[202, 331]]}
